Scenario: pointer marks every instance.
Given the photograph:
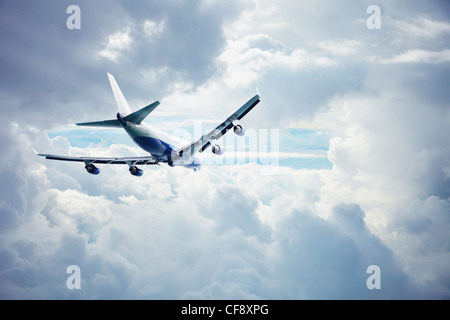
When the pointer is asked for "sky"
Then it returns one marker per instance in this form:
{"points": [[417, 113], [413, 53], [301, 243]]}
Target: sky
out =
{"points": [[346, 166]]}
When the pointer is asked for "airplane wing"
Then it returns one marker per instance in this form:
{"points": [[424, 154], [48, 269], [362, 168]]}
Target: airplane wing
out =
{"points": [[204, 142], [104, 160]]}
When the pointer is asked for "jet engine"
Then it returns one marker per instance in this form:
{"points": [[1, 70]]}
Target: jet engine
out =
{"points": [[217, 150], [92, 169], [239, 130], [135, 171]]}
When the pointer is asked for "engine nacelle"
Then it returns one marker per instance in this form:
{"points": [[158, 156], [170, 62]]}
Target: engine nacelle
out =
{"points": [[217, 150], [90, 168], [135, 171], [239, 130]]}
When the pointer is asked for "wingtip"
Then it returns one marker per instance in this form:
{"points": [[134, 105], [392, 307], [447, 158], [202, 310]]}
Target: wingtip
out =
{"points": [[36, 152]]}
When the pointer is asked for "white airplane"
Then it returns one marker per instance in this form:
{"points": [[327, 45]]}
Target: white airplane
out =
{"points": [[161, 146]]}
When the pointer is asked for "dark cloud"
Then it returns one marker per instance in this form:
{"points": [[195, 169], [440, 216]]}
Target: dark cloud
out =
{"points": [[305, 92], [329, 259], [47, 68]]}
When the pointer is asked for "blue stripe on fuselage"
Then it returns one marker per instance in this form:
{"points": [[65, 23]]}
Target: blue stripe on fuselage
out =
{"points": [[159, 149]]}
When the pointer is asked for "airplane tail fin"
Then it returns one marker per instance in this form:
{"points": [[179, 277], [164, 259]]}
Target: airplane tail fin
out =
{"points": [[121, 102], [124, 110]]}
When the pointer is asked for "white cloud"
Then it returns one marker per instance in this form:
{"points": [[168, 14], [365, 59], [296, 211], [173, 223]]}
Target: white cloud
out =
{"points": [[245, 61], [342, 48], [420, 56], [385, 164], [419, 29], [116, 44], [151, 28], [224, 232], [128, 199], [73, 209]]}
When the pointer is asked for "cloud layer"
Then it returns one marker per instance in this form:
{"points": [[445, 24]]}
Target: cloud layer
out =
{"points": [[234, 231]]}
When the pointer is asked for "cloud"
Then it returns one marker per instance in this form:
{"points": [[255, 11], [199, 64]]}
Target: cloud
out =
{"points": [[341, 48], [203, 244], [116, 44], [224, 232], [122, 41], [229, 231], [420, 56], [317, 254], [246, 64], [151, 28], [74, 209], [421, 28]]}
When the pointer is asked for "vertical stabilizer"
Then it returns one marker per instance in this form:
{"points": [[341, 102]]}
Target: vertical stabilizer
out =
{"points": [[122, 104]]}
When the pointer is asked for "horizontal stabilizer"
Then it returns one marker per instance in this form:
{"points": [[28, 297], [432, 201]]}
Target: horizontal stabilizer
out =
{"points": [[135, 117], [138, 116], [105, 123]]}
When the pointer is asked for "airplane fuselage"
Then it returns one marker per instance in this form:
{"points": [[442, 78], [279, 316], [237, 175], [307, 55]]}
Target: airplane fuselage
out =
{"points": [[160, 145]]}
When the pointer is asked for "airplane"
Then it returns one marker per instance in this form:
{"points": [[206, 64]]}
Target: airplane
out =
{"points": [[162, 147]]}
